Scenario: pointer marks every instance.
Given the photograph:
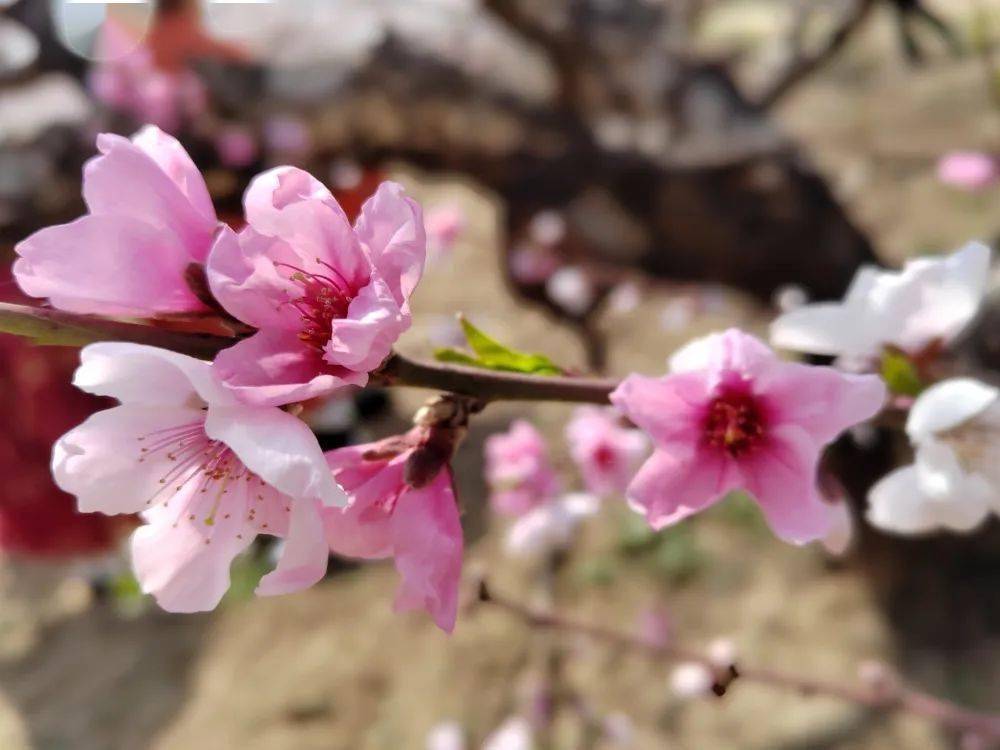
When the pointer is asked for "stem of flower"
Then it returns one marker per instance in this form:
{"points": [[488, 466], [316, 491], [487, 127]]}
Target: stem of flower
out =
{"points": [[55, 327], [492, 385], [890, 696]]}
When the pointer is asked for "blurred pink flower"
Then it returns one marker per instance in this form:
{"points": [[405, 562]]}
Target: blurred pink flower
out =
{"points": [[531, 265], [445, 225], [968, 170], [288, 135], [518, 470], [329, 300], [732, 415], [150, 217], [236, 146], [388, 517], [207, 473], [127, 79], [606, 453]]}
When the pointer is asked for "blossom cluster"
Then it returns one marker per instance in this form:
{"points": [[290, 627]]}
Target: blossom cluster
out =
{"points": [[213, 454]]}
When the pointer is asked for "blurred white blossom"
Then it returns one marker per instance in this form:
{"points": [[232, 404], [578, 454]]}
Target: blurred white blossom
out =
{"points": [[513, 734], [447, 735], [549, 527], [954, 482], [691, 680], [570, 288], [930, 299]]}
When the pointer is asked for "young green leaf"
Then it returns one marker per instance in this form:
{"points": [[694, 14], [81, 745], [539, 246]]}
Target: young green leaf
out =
{"points": [[491, 354]]}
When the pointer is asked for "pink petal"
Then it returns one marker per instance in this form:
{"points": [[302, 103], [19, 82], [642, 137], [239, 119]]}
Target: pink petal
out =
{"points": [[821, 400], [279, 448], [292, 205], [243, 278], [679, 482], [667, 408], [391, 227], [732, 351], [99, 460], [140, 374], [106, 265], [782, 478], [427, 538], [185, 563], [127, 181], [363, 339], [171, 157], [303, 562], [274, 367]]}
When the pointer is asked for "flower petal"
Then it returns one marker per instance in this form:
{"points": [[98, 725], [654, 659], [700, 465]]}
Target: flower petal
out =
{"points": [[279, 448], [363, 339], [106, 265], [781, 476], [292, 205], [665, 408], [948, 404], [821, 400], [427, 542], [140, 374], [99, 460], [185, 563], [303, 561], [391, 227], [126, 181], [243, 278], [171, 157], [275, 367], [678, 482]]}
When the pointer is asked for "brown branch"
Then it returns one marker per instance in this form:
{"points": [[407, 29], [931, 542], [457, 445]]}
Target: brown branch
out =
{"points": [[891, 695], [562, 52], [60, 328], [492, 385], [802, 63]]}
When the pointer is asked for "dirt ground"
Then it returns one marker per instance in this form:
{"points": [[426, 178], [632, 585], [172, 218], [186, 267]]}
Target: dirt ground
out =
{"points": [[333, 668]]}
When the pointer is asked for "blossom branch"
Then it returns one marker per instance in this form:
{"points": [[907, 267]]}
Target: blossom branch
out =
{"points": [[492, 385], [887, 695], [56, 327]]}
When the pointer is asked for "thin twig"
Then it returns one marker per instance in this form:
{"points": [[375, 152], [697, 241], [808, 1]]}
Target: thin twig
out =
{"points": [[890, 696], [492, 385], [60, 328], [802, 64]]}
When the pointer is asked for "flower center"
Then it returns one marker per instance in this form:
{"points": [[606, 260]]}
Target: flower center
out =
{"points": [[734, 423], [605, 457], [321, 300], [193, 458]]}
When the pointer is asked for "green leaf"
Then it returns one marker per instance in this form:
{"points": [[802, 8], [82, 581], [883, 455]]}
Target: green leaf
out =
{"points": [[492, 355], [900, 374]]}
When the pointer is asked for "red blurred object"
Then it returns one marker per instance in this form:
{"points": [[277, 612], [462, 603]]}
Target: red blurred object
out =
{"points": [[352, 198], [39, 404]]}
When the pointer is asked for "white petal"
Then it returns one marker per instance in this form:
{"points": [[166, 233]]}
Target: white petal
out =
{"points": [[823, 328], [139, 374], [279, 448], [948, 404], [513, 734], [304, 555], [99, 461]]}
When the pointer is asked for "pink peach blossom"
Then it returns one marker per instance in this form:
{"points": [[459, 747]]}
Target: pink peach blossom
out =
{"points": [[207, 473], [732, 415], [127, 79], [606, 453], [968, 170], [388, 517], [445, 225], [150, 217], [329, 299], [518, 470], [236, 146]]}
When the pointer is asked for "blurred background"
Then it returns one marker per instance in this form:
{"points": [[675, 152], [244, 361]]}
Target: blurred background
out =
{"points": [[602, 180]]}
